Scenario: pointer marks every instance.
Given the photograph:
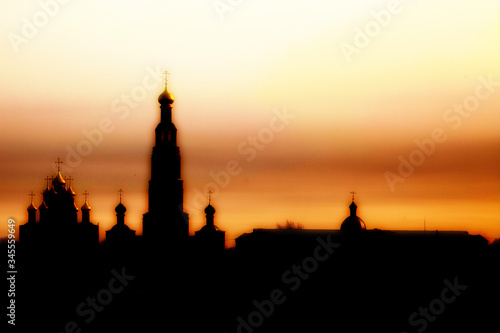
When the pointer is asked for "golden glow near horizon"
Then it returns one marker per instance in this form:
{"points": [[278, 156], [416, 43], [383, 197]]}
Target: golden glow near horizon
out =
{"points": [[282, 108]]}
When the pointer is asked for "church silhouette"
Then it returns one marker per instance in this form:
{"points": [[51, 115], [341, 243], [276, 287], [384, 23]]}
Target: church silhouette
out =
{"points": [[349, 279]]}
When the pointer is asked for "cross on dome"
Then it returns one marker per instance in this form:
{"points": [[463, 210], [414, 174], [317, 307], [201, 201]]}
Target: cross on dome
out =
{"points": [[166, 77], [47, 179], [210, 196], [32, 195], [58, 162]]}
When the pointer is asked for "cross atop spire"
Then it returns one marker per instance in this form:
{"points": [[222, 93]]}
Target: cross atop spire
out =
{"points": [[210, 196], [120, 191], [69, 179], [353, 193], [47, 179], [166, 97], [32, 209], [166, 77], [58, 162], [32, 195], [86, 195]]}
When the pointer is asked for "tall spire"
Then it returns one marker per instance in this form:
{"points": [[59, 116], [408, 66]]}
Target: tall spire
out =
{"points": [[166, 217]]}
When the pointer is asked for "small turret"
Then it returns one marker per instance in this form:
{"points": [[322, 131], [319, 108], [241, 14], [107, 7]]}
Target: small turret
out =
{"points": [[32, 210], [210, 239], [120, 234], [86, 209]]}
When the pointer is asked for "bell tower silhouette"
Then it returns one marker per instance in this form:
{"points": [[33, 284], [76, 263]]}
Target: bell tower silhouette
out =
{"points": [[165, 222]]}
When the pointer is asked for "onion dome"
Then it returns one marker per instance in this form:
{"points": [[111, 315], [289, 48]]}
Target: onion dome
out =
{"points": [[86, 206], [120, 209], [58, 179], [166, 97], [352, 208], [43, 206], [70, 191], [210, 210], [32, 207]]}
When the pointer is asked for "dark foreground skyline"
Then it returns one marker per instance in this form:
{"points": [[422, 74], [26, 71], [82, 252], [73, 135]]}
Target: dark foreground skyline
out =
{"points": [[353, 278], [351, 117]]}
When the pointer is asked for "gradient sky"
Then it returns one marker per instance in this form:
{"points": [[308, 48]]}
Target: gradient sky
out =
{"points": [[360, 84]]}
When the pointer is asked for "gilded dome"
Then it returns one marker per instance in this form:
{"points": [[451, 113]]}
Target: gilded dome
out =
{"points": [[43, 206], [166, 97], [70, 191], [58, 179], [86, 206], [32, 207]]}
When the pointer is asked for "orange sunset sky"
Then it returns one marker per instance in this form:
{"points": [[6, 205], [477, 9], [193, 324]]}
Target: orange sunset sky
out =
{"points": [[303, 101]]}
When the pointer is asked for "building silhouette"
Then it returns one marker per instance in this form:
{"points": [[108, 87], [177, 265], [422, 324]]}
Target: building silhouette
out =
{"points": [[166, 222], [210, 240], [57, 219], [88, 232], [353, 223], [120, 235], [346, 279]]}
